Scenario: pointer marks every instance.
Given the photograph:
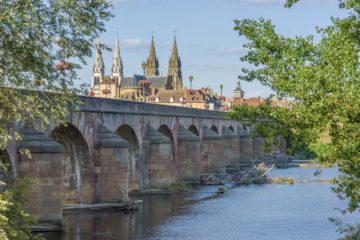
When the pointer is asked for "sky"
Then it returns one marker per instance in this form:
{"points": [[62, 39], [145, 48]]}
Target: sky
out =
{"points": [[208, 46]]}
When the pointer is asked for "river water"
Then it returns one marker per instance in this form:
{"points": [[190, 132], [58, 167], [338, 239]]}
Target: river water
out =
{"points": [[267, 212]]}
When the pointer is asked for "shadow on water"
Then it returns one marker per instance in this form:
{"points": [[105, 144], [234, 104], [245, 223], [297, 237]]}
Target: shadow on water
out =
{"points": [[114, 224]]}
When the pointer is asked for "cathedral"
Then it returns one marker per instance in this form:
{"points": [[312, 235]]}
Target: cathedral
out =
{"points": [[143, 87]]}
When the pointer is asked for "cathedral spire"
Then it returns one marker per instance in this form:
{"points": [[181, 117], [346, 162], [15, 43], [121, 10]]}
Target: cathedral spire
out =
{"points": [[98, 68], [175, 60], [174, 71], [117, 65], [152, 68], [98, 60]]}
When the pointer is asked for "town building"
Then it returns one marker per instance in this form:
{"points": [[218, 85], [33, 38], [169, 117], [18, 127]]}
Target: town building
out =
{"points": [[239, 100], [201, 99]]}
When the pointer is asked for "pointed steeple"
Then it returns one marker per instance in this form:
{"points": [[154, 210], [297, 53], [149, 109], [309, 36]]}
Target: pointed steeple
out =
{"points": [[98, 68], [98, 60], [174, 71], [117, 65], [175, 59], [152, 68]]}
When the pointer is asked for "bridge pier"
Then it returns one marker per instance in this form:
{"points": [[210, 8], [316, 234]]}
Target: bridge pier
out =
{"points": [[159, 161], [258, 145], [246, 147], [212, 150], [231, 146], [44, 168], [188, 156], [111, 167]]}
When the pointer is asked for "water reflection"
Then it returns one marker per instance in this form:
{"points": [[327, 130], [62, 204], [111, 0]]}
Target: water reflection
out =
{"points": [[273, 212], [112, 224]]}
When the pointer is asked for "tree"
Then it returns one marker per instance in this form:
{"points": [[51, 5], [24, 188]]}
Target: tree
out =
{"points": [[42, 44], [191, 78], [323, 80], [221, 88]]}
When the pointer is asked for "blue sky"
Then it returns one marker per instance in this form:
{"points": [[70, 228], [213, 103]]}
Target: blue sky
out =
{"points": [[208, 46]]}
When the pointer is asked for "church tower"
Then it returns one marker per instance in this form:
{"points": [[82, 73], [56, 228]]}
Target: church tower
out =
{"points": [[117, 65], [152, 63], [174, 71], [238, 93], [98, 69]]}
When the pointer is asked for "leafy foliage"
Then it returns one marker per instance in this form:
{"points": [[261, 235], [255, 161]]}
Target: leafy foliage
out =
{"points": [[14, 221], [35, 36], [347, 231], [42, 44], [322, 80]]}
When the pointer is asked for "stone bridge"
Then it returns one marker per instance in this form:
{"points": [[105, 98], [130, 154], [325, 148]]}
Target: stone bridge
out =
{"points": [[110, 148]]}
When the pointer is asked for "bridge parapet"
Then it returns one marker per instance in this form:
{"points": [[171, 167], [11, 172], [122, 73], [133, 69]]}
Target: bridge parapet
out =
{"points": [[105, 105]]}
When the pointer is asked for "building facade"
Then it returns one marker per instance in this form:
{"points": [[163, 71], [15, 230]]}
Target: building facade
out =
{"points": [[139, 87]]}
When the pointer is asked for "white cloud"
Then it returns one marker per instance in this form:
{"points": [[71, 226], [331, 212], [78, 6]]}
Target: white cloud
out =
{"points": [[128, 43]]}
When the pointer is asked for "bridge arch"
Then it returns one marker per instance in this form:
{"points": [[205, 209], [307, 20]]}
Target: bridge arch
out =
{"points": [[165, 130], [194, 130], [246, 129], [135, 177], [78, 169], [231, 128], [215, 129]]}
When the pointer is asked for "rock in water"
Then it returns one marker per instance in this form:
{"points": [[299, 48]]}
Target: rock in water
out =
{"points": [[221, 190]]}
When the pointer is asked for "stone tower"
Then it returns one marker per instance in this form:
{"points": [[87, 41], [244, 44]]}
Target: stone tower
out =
{"points": [[174, 71], [238, 92], [98, 69], [117, 65], [152, 63]]}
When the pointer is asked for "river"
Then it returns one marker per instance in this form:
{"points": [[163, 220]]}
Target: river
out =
{"points": [[268, 212]]}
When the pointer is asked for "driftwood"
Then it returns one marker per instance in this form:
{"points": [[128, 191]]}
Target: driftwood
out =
{"points": [[271, 168]]}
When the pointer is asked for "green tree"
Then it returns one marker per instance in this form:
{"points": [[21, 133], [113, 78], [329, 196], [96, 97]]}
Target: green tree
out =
{"points": [[42, 44], [221, 89], [322, 79], [191, 78]]}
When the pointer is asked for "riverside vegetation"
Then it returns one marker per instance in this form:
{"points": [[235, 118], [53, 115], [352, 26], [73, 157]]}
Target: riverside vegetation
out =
{"points": [[322, 79]]}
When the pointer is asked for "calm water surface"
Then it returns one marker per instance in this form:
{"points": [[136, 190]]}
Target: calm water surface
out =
{"points": [[267, 212]]}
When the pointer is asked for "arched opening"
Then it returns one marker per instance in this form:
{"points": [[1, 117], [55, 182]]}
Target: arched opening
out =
{"points": [[127, 133], [165, 130], [194, 130], [78, 169], [231, 129], [215, 129]]}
